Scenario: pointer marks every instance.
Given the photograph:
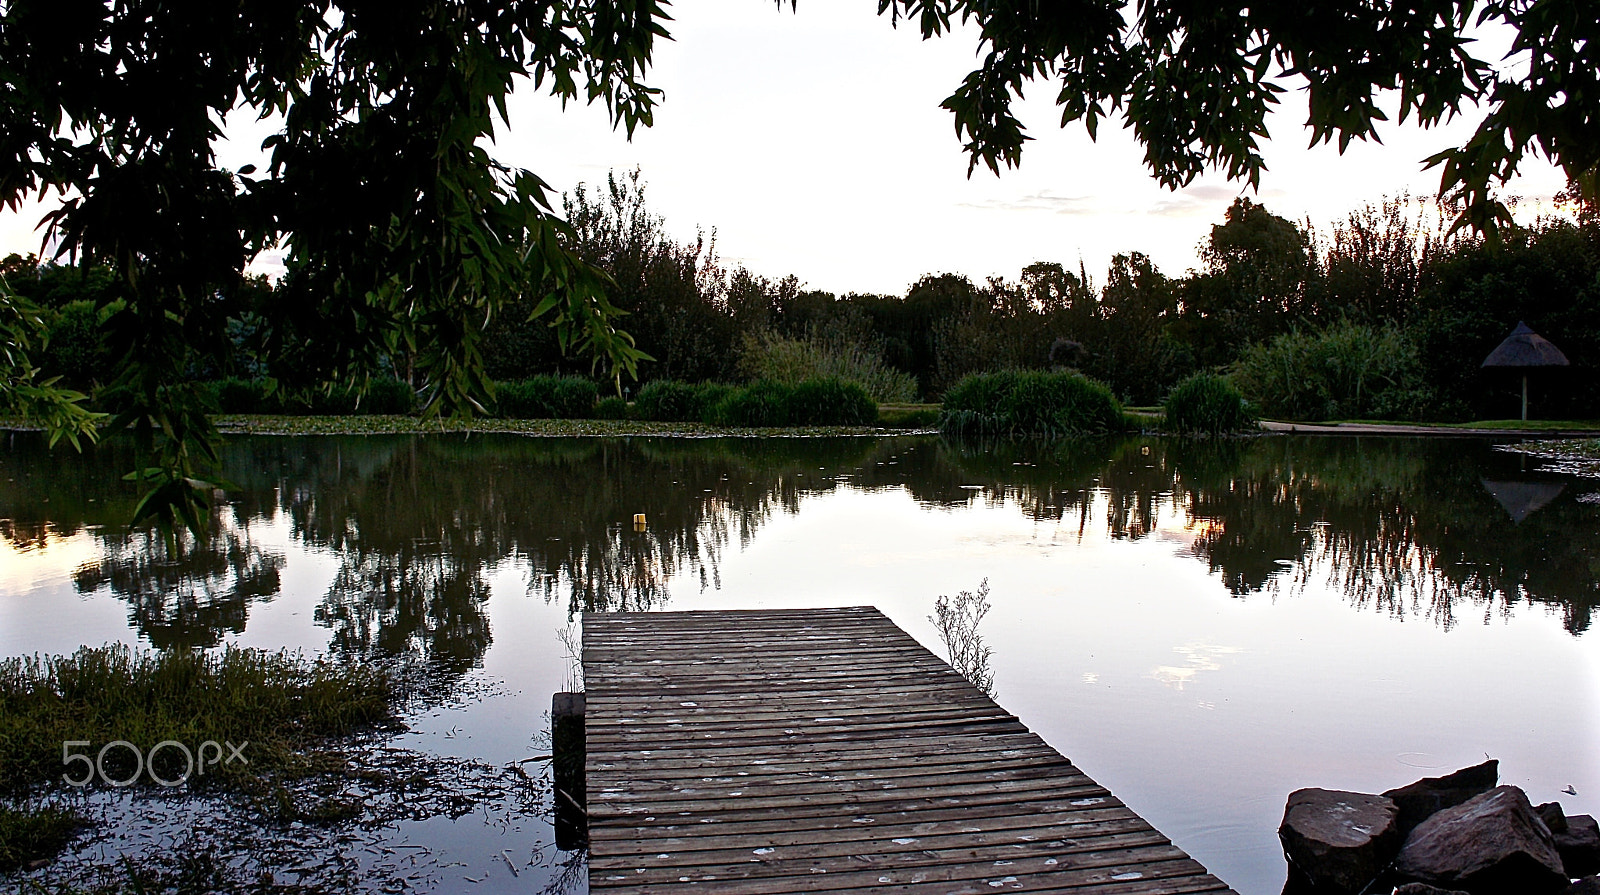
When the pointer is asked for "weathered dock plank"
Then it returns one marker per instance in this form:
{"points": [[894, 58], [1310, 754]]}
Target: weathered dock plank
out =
{"points": [[825, 750]]}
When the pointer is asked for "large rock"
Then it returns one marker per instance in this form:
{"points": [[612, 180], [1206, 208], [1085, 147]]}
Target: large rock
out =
{"points": [[1579, 845], [1488, 845], [1553, 816], [1587, 886], [1422, 799], [1339, 841]]}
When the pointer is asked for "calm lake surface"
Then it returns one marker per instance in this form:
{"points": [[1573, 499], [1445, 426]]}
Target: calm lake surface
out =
{"points": [[1200, 627]]}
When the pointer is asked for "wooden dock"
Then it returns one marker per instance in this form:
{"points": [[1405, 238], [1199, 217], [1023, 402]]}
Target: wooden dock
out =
{"points": [[825, 750]]}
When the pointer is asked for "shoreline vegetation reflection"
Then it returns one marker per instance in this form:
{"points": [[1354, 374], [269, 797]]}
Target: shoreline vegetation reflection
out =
{"points": [[1447, 530]]}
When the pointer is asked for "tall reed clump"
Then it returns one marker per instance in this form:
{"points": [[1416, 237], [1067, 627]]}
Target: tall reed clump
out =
{"points": [[1348, 371], [547, 398], [1015, 403], [670, 401], [1207, 404], [793, 361]]}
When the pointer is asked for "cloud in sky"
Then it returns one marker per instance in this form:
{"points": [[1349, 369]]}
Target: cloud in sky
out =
{"points": [[813, 143], [1041, 201]]}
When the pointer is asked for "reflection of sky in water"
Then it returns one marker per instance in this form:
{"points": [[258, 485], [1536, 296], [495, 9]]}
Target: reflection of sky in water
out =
{"points": [[1200, 695]]}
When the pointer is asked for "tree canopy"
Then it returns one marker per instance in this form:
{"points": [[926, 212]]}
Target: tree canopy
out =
{"points": [[1196, 81], [404, 239]]}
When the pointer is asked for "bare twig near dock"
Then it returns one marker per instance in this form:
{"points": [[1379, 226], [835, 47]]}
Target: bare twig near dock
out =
{"points": [[825, 750]]}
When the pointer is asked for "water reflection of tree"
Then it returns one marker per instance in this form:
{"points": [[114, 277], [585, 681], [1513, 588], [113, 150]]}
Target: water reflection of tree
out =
{"points": [[383, 605], [1405, 528], [188, 596], [1064, 481], [1401, 527], [419, 523], [565, 507]]}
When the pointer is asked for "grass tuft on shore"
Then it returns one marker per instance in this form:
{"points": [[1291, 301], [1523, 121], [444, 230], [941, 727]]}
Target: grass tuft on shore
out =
{"points": [[33, 831], [277, 702], [235, 720]]}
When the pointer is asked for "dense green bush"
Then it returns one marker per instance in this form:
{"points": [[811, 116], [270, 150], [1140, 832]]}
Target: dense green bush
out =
{"points": [[1348, 371], [823, 401], [709, 394], [256, 396], [613, 407], [761, 403], [831, 402], [1013, 403], [75, 349], [547, 398], [243, 396], [383, 396], [670, 401], [1206, 403]]}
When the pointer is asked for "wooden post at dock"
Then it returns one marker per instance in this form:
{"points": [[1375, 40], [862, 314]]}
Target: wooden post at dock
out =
{"points": [[568, 760]]}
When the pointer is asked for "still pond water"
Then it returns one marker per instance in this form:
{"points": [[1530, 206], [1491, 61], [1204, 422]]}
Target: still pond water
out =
{"points": [[1200, 627]]}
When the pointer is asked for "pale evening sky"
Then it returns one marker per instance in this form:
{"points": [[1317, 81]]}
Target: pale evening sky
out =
{"points": [[813, 143]]}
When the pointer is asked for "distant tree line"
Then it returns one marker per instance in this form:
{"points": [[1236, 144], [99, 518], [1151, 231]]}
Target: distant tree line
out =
{"points": [[1384, 314]]}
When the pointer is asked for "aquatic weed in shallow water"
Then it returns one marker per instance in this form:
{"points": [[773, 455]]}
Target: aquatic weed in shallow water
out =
{"points": [[278, 702], [33, 831], [957, 620], [407, 837]]}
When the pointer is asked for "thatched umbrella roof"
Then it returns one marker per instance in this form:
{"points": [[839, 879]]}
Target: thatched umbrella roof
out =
{"points": [[1525, 348]]}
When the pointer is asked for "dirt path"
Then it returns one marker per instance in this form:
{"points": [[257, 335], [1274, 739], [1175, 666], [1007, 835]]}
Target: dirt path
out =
{"points": [[1403, 429]]}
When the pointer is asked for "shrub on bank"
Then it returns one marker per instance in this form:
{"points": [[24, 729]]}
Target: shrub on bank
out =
{"points": [[613, 407], [547, 398], [1028, 403], [761, 403], [383, 396], [244, 396], [1207, 404], [670, 401], [256, 396], [831, 402], [822, 401], [667, 401], [76, 348]]}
